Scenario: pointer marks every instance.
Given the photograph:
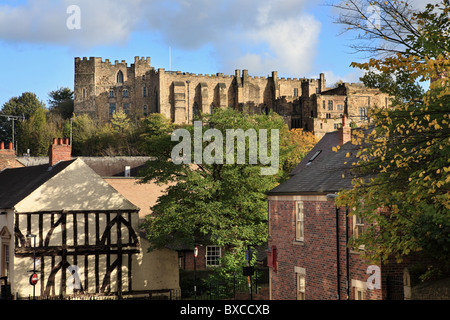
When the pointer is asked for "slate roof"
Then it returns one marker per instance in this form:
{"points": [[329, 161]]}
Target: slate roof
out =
{"points": [[103, 166], [324, 147], [17, 183], [331, 173]]}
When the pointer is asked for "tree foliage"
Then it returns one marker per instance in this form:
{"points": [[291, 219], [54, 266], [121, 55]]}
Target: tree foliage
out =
{"points": [[61, 102], [219, 203], [403, 182]]}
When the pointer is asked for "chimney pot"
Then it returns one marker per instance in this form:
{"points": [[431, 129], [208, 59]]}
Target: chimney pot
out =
{"points": [[66, 140], [59, 151], [10, 146], [2, 145]]}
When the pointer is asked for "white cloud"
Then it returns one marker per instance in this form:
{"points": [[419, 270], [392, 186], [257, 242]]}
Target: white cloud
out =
{"points": [[289, 46], [260, 35], [351, 77], [102, 22]]}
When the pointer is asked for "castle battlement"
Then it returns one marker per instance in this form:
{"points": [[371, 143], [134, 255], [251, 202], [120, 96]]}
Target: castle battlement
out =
{"points": [[107, 62]]}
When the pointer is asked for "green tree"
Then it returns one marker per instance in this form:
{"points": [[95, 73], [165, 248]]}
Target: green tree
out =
{"points": [[24, 107], [37, 133], [218, 203], [403, 184], [61, 102], [84, 130]]}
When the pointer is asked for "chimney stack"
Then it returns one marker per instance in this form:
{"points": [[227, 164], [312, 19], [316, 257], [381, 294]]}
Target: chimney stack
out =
{"points": [[344, 132], [7, 156], [60, 150]]}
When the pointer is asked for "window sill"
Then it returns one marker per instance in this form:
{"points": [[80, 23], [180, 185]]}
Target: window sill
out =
{"points": [[299, 242]]}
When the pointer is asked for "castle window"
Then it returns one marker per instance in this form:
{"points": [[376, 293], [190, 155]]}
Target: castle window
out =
{"points": [[363, 114], [295, 123], [295, 92], [111, 93], [340, 107], [145, 110], [126, 108], [125, 93], [84, 93], [312, 114], [330, 105], [112, 108], [196, 111], [143, 77], [323, 104], [119, 77], [145, 92]]}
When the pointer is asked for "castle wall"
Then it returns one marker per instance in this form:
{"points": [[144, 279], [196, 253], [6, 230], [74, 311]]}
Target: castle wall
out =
{"points": [[303, 103]]}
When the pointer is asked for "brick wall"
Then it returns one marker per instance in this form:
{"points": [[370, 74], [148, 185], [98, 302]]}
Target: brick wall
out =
{"points": [[7, 156], [60, 150], [317, 254]]}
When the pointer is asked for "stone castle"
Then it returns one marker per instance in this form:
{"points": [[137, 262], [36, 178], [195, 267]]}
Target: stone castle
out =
{"points": [[102, 88]]}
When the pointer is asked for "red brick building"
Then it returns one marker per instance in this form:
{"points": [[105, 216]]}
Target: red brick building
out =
{"points": [[308, 235]]}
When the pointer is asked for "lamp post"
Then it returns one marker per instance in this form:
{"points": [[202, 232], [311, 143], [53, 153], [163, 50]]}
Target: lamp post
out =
{"points": [[195, 270], [12, 119], [34, 261]]}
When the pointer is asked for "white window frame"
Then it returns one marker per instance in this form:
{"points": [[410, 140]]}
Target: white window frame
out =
{"points": [[299, 221], [300, 275], [359, 289], [213, 257]]}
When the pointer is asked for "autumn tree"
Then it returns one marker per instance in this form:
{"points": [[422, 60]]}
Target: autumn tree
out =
{"points": [[403, 183], [301, 142]]}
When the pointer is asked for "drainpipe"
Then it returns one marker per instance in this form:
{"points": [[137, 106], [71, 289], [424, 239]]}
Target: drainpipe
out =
{"points": [[338, 270], [347, 254]]}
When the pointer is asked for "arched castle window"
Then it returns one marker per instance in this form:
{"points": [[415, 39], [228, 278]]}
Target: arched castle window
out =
{"points": [[119, 77], [196, 110]]}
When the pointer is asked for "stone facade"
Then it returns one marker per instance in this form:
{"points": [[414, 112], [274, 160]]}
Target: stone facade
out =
{"points": [[102, 88]]}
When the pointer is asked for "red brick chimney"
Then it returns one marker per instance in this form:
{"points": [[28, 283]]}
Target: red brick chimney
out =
{"points": [[60, 150], [344, 132], [7, 156]]}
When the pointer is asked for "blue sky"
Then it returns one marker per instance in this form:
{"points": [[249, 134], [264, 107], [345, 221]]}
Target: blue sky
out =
{"points": [[297, 38]]}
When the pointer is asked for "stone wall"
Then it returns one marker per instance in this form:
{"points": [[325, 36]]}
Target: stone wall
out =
{"points": [[141, 90]]}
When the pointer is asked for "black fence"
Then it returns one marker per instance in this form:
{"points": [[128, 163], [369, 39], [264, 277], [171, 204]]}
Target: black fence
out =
{"points": [[193, 286], [238, 286]]}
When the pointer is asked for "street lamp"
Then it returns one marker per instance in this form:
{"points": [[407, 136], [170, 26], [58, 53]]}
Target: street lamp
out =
{"points": [[34, 261]]}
